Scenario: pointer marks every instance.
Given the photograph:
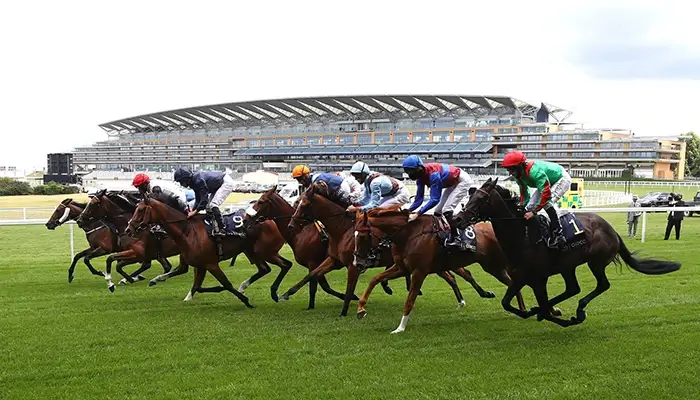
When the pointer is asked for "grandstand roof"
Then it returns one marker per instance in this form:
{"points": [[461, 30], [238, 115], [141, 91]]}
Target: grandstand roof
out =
{"points": [[320, 109]]}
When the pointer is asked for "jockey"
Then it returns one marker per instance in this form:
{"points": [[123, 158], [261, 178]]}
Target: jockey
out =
{"points": [[551, 182], [338, 185], [142, 182], [211, 190], [380, 190], [438, 176]]}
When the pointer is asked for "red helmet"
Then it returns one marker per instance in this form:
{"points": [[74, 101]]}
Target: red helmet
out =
{"points": [[141, 179], [513, 158]]}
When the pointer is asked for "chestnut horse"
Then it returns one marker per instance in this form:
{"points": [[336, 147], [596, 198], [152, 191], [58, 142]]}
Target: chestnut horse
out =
{"points": [[117, 210], [308, 249], [421, 253], [198, 248], [340, 226], [533, 263]]}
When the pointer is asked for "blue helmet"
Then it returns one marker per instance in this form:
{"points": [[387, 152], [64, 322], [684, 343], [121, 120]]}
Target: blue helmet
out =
{"points": [[412, 162], [182, 174]]}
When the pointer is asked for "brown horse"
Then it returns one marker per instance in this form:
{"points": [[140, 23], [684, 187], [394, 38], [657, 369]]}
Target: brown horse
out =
{"points": [[116, 211], [533, 262], [102, 241], [420, 251], [308, 249], [197, 247], [340, 225]]}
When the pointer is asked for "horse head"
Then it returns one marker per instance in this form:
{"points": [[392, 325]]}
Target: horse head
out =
{"points": [[303, 212], [93, 210], [264, 207], [141, 218], [64, 211]]}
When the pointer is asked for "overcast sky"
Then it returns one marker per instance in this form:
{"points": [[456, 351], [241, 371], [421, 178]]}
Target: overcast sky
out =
{"points": [[68, 66]]}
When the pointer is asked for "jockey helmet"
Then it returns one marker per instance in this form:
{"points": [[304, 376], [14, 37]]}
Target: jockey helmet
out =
{"points": [[359, 168], [412, 162], [182, 174], [141, 179], [300, 170], [513, 159]]}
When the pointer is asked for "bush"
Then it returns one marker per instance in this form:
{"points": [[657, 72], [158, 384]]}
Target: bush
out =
{"points": [[55, 188], [11, 187]]}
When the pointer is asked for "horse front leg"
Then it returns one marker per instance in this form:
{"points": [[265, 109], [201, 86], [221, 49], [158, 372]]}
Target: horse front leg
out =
{"points": [[391, 273], [514, 289], [77, 257], [326, 266], [450, 279]]}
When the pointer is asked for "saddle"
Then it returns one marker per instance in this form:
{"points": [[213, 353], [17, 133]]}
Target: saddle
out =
{"points": [[233, 224], [467, 235], [571, 227]]}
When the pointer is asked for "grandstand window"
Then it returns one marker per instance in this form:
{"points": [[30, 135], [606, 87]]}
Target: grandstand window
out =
{"points": [[346, 139], [329, 139], [588, 136], [582, 155], [537, 128], [297, 141], [583, 145], [613, 154], [385, 126], [558, 137], [555, 154], [483, 135], [313, 140], [530, 146], [283, 141], [364, 138], [426, 123], [380, 138], [611, 145], [557, 145], [507, 130], [530, 138], [401, 137], [441, 136], [419, 137], [647, 145], [268, 142], [253, 142], [445, 123]]}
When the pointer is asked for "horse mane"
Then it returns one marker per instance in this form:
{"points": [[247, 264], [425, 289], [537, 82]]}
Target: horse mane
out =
{"points": [[169, 199], [121, 202], [79, 204]]}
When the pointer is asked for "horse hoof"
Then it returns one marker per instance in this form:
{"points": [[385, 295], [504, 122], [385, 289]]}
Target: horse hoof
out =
{"points": [[580, 315], [70, 278], [556, 312], [152, 283], [140, 278], [343, 314], [355, 298], [284, 297], [397, 330], [111, 287], [122, 282], [420, 293], [247, 304], [489, 295], [461, 304], [275, 298], [101, 273], [388, 291], [361, 314]]}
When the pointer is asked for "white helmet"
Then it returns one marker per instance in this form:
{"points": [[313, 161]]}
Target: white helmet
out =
{"points": [[359, 168]]}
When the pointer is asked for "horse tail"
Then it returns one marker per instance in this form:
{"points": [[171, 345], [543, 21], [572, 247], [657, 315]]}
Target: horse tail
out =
{"points": [[646, 265]]}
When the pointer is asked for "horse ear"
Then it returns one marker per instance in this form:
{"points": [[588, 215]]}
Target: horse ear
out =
{"points": [[495, 182], [488, 180], [66, 202]]}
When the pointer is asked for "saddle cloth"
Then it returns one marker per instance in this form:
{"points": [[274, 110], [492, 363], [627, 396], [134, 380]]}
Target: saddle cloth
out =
{"points": [[468, 235]]}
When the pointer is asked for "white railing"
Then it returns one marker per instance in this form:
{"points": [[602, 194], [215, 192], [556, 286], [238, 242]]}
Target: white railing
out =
{"points": [[644, 183], [597, 198], [24, 222]]}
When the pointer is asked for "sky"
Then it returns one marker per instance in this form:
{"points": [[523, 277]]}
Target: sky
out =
{"points": [[68, 66]]}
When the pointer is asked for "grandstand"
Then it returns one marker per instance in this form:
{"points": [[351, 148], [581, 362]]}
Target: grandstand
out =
{"points": [[330, 133]]}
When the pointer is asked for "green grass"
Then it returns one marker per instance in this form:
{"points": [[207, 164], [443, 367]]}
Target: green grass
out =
{"points": [[78, 341]]}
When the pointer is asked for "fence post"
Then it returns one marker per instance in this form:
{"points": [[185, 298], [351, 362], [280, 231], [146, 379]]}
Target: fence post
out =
{"points": [[72, 248], [24, 213], [644, 226]]}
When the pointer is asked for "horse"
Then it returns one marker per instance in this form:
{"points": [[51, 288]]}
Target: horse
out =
{"points": [[197, 248], [309, 250], [533, 262], [418, 247], [102, 241], [116, 210], [340, 225]]}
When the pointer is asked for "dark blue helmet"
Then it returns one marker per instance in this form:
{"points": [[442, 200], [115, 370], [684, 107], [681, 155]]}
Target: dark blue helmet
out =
{"points": [[182, 174], [412, 162]]}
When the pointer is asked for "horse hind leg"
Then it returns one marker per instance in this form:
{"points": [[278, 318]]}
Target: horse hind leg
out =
{"points": [[598, 270], [450, 279], [467, 276], [136, 275], [223, 280], [285, 265]]}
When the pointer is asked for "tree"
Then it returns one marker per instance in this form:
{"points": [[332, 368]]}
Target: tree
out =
{"points": [[692, 153], [11, 187]]}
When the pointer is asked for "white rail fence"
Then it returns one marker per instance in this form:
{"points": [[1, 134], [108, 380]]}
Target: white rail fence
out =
{"points": [[644, 183]]}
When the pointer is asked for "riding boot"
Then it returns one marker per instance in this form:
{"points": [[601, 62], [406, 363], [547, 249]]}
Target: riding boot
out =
{"points": [[218, 228], [556, 238], [454, 240]]}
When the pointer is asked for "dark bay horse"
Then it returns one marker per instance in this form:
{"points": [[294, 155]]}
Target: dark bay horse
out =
{"points": [[315, 205], [102, 241], [197, 248], [308, 249], [420, 252], [533, 263], [117, 210]]}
